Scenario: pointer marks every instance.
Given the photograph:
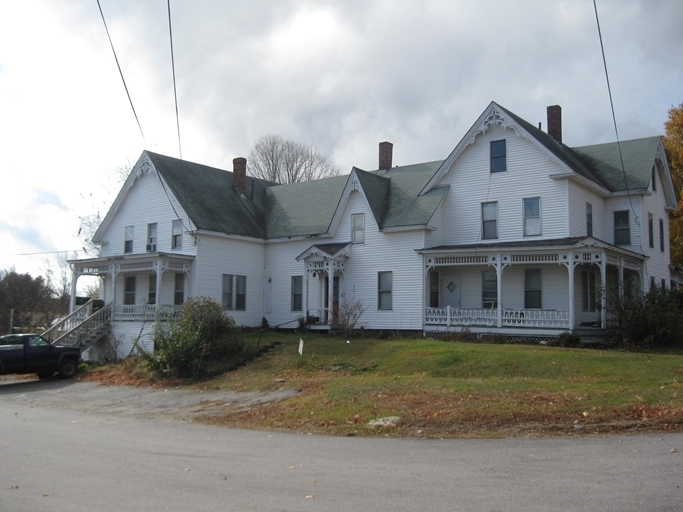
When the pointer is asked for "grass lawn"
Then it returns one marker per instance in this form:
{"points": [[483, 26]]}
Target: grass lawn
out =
{"points": [[453, 389]]}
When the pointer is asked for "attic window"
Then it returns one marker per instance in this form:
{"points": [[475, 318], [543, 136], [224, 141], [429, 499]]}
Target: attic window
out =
{"points": [[498, 156], [358, 228], [654, 181]]}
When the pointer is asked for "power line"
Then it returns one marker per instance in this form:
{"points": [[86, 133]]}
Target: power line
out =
{"points": [[175, 93], [121, 72], [614, 118]]}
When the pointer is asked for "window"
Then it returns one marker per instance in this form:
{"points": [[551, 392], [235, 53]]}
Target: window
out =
{"points": [[433, 289], [177, 234], [622, 231], [588, 291], [532, 216], [384, 285], [661, 235], [651, 230], [653, 284], [489, 220], [532, 289], [297, 293], [234, 292], [498, 156], [654, 181], [128, 241], [179, 289], [589, 219], [663, 283], [152, 289], [358, 228], [152, 236], [489, 289], [129, 291]]}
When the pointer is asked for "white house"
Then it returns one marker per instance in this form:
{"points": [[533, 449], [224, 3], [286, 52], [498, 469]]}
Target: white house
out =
{"points": [[513, 233]]}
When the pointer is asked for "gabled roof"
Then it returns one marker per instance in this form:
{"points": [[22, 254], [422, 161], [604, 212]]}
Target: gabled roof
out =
{"points": [[210, 200], [638, 156]]}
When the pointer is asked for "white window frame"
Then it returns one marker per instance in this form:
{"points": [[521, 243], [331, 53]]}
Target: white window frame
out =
{"points": [[623, 229], [179, 289], [177, 234], [358, 228], [385, 285], [129, 236], [234, 292], [488, 219], [528, 289], [496, 156], [129, 291], [489, 294], [530, 229], [297, 293]]}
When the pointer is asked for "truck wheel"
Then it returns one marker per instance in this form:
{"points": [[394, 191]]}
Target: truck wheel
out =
{"points": [[45, 375], [68, 368]]}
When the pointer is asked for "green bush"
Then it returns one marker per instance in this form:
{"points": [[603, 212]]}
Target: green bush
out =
{"points": [[200, 341], [650, 320]]}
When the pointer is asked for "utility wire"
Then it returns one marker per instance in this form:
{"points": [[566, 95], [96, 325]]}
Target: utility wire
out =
{"points": [[121, 72], [614, 118], [175, 93]]}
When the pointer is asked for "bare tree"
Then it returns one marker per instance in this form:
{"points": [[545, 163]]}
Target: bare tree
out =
{"points": [[284, 161]]}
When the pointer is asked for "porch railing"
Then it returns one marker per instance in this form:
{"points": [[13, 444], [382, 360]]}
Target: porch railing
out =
{"points": [[144, 313], [538, 318]]}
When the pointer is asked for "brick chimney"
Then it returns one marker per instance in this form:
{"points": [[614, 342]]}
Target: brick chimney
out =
{"points": [[386, 151], [239, 174], [555, 122]]}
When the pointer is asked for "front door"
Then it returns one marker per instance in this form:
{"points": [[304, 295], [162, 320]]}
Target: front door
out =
{"points": [[451, 290], [335, 299]]}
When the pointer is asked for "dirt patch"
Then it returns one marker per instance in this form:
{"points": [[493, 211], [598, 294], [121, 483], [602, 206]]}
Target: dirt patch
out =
{"points": [[135, 401]]}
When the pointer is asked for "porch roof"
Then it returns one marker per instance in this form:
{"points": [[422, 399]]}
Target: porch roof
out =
{"points": [[102, 265], [574, 242], [329, 250]]}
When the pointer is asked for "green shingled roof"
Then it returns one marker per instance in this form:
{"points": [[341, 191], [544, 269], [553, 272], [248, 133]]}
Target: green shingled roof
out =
{"points": [[208, 197], [638, 156]]}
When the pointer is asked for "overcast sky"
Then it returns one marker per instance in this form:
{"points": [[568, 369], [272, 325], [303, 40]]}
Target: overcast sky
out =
{"points": [[341, 76]]}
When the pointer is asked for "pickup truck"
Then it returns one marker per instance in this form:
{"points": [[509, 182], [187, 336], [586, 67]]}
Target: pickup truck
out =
{"points": [[31, 353]]}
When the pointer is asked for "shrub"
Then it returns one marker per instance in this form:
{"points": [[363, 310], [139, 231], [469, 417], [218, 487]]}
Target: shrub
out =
{"points": [[201, 340], [348, 316], [649, 320]]}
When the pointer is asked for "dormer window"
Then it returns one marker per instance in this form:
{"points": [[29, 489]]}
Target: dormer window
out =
{"points": [[498, 156], [358, 228]]}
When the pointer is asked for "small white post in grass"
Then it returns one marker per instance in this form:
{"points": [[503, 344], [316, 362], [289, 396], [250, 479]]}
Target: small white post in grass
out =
{"points": [[301, 349]]}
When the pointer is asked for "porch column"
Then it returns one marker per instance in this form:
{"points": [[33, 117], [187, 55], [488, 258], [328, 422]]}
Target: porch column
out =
{"points": [[157, 268], [72, 299], [499, 290], [330, 291], [620, 284], [603, 287], [571, 268], [304, 292]]}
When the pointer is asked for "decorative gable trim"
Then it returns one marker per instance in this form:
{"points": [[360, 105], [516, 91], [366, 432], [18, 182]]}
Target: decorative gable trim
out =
{"points": [[326, 251], [662, 166], [352, 185]]}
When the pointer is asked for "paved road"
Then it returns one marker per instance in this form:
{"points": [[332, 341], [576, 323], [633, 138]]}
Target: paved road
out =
{"points": [[55, 459]]}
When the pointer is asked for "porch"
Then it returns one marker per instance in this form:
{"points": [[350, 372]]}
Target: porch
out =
{"points": [[540, 288]]}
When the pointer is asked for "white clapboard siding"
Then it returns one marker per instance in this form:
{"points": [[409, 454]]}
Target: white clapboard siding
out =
{"points": [[657, 265], [528, 175], [392, 251], [218, 255], [633, 205], [146, 202], [579, 196]]}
